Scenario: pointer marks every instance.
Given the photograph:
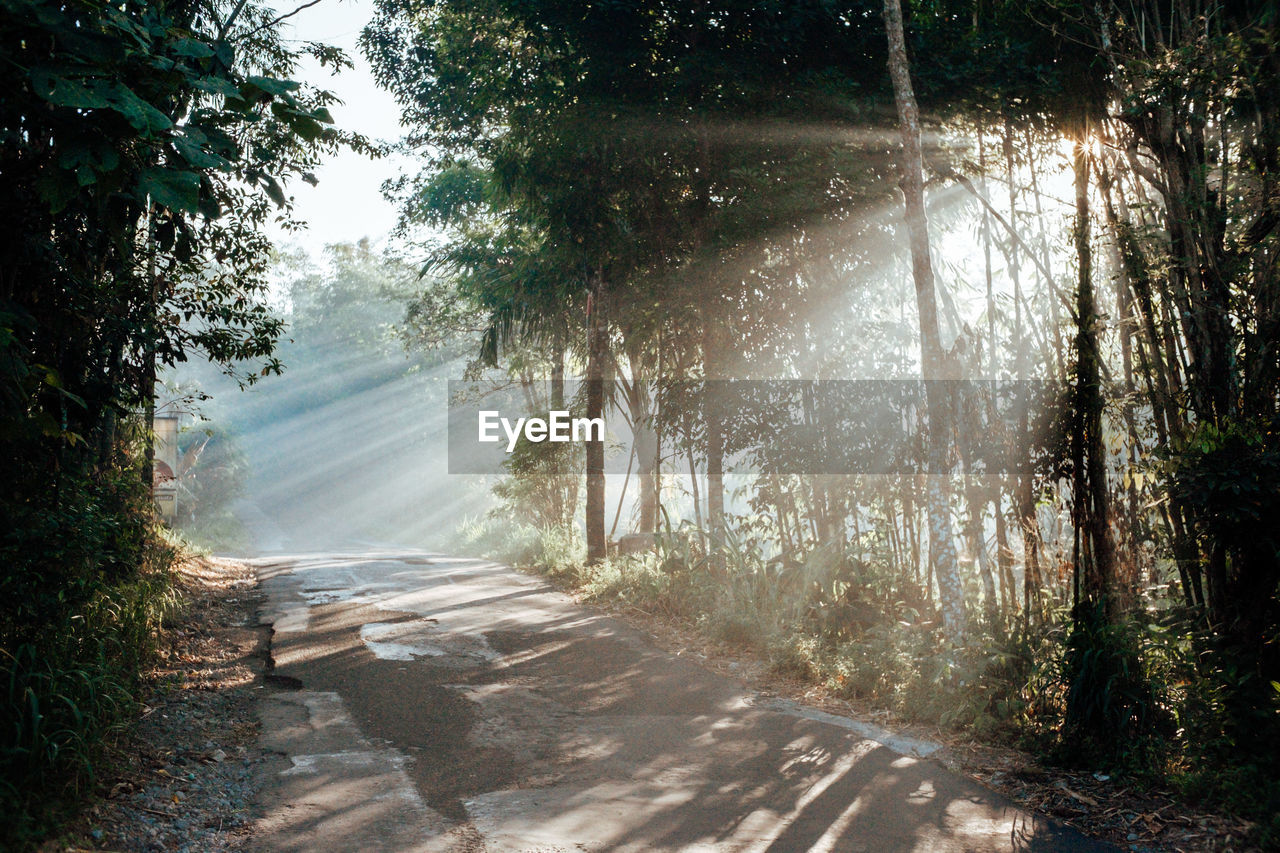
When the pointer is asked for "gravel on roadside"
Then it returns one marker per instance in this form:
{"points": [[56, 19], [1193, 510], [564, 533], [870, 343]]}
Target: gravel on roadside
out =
{"points": [[183, 779]]}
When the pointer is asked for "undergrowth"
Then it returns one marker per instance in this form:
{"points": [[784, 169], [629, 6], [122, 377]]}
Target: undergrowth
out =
{"points": [[87, 585]]}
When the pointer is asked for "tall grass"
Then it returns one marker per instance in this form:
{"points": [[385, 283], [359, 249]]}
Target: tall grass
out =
{"points": [[87, 597], [550, 549]]}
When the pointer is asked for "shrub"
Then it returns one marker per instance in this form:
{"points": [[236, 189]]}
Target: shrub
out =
{"points": [[212, 475], [85, 588]]}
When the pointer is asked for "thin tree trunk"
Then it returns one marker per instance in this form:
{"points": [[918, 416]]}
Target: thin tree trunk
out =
{"points": [[977, 544], [647, 451], [986, 258], [626, 481], [148, 389], [1054, 317], [597, 353], [557, 378], [713, 416], [784, 528], [910, 519], [645, 437], [942, 549], [1004, 554], [697, 505]]}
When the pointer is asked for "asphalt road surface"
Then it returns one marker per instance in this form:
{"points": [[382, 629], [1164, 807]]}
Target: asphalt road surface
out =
{"points": [[421, 702]]}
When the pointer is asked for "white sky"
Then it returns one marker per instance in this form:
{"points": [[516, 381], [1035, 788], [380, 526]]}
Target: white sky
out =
{"points": [[347, 204]]}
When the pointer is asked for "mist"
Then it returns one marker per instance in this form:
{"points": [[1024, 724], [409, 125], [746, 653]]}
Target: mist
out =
{"points": [[346, 448]]}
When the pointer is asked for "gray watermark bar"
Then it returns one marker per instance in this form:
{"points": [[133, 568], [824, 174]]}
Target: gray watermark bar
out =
{"points": [[774, 426]]}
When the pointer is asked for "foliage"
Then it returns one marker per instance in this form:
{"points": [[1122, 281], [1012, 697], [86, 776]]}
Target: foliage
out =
{"points": [[497, 537], [352, 304], [1109, 706], [212, 473], [145, 147], [542, 483], [1228, 471], [70, 656]]}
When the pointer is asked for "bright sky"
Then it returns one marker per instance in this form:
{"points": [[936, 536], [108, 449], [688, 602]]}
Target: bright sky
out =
{"points": [[347, 204]]}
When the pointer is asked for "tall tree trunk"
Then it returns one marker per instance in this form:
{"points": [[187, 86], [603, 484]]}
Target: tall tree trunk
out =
{"points": [[821, 513], [647, 451], [565, 483], [697, 504], [912, 530], [1004, 563], [1004, 554], [976, 540], [1103, 666], [1054, 318], [942, 548], [1024, 490], [640, 402], [1095, 552], [147, 389], [597, 354]]}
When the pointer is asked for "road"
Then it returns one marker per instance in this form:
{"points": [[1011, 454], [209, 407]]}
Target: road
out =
{"points": [[417, 702]]}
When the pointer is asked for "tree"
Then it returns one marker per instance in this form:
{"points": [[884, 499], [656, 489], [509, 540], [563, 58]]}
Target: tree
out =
{"points": [[145, 146], [942, 549], [563, 126]]}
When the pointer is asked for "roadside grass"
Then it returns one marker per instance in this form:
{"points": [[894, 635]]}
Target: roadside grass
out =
{"points": [[219, 531], [70, 689]]}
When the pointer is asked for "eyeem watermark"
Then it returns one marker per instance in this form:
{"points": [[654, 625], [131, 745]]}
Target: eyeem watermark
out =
{"points": [[556, 427], [778, 427]]}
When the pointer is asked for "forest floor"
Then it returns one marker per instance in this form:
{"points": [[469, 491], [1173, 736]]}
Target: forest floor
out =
{"points": [[1131, 817], [183, 780]]}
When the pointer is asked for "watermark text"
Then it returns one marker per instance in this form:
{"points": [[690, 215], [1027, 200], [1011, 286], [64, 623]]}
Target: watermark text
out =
{"points": [[558, 426]]}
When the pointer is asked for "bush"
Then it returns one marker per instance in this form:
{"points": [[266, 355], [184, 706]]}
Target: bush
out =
{"points": [[85, 587], [211, 477], [543, 482], [497, 537]]}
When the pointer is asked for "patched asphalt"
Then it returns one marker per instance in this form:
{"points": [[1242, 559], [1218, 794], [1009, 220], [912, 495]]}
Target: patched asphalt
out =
{"points": [[423, 702]]}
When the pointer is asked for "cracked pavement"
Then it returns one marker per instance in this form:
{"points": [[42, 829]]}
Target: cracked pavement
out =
{"points": [[417, 701]]}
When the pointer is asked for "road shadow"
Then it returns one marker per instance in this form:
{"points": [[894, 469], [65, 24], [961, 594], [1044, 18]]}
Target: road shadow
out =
{"points": [[572, 728]]}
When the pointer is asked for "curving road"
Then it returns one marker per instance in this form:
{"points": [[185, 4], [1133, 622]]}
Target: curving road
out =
{"points": [[417, 702]]}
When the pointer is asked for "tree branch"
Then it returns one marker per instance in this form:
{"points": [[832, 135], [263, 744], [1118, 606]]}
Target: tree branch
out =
{"points": [[269, 24]]}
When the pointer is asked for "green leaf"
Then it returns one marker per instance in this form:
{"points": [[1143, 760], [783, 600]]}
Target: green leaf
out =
{"points": [[272, 85], [58, 188], [192, 48], [218, 86], [225, 54], [217, 140], [65, 92], [274, 191], [306, 127], [144, 117], [176, 190], [196, 156], [210, 208]]}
